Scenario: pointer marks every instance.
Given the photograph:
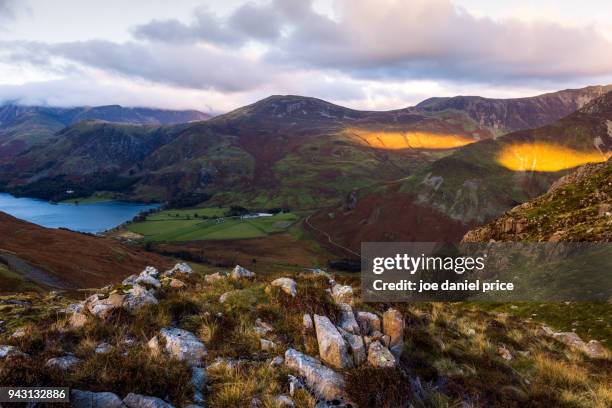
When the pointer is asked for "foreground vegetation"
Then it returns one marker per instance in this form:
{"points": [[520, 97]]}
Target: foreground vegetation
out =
{"points": [[453, 355]]}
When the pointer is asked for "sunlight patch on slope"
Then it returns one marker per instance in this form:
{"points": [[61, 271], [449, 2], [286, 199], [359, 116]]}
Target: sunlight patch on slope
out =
{"points": [[409, 140], [546, 157]]}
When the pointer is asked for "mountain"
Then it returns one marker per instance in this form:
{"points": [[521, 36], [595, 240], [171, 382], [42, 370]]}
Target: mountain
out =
{"points": [[25, 126], [281, 151], [62, 259], [509, 115], [284, 150], [475, 184], [577, 207]]}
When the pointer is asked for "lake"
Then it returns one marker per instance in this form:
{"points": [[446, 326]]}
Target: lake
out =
{"points": [[90, 217]]}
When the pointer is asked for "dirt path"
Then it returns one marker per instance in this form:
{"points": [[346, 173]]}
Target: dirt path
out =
{"points": [[329, 238]]}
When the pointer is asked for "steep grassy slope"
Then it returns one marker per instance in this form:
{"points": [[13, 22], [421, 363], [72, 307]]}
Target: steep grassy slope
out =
{"points": [[477, 182], [577, 207], [54, 258]]}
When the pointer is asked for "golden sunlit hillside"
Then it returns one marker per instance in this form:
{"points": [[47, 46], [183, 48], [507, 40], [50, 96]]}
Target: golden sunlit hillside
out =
{"points": [[394, 140], [546, 157]]}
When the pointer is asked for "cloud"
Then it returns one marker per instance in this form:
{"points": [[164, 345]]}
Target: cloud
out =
{"points": [[7, 9], [186, 66], [435, 39], [249, 22]]}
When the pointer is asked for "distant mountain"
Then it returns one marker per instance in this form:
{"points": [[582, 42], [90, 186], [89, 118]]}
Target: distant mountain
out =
{"points": [[508, 115], [281, 151], [475, 184], [24, 126], [577, 207], [284, 150], [61, 259]]}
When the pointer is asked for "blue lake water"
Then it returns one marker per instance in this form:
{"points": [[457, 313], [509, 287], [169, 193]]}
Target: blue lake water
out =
{"points": [[94, 217]]}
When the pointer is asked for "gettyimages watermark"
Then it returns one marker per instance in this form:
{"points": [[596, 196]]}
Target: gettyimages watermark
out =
{"points": [[498, 271]]}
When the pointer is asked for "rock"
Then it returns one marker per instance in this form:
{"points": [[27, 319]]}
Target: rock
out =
{"points": [[267, 345], [148, 280], [288, 285], [63, 363], [256, 403], [283, 401], [214, 277], [75, 308], [342, 293], [179, 268], [356, 346], [294, 384], [142, 401], [176, 284], [241, 273], [347, 319], [393, 326], [322, 381], [199, 378], [102, 307], [10, 351], [138, 297], [504, 353], [546, 331], [223, 298], [594, 349], [380, 356], [262, 328], [332, 347], [368, 322], [307, 322], [88, 399], [19, 333], [570, 339], [130, 280], [103, 348], [277, 361], [180, 344]]}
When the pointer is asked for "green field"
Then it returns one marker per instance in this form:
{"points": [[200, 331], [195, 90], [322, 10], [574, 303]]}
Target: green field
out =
{"points": [[184, 225]]}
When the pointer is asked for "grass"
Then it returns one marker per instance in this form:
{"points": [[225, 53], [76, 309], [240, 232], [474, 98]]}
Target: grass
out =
{"points": [[95, 198], [13, 282], [183, 225], [450, 357]]}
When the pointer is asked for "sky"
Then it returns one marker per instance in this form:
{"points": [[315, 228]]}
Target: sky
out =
{"points": [[216, 56]]}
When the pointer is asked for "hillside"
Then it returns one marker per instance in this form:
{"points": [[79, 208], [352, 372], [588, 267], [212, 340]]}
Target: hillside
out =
{"points": [[24, 126], [242, 339], [509, 115], [33, 256], [577, 207], [477, 182], [288, 150]]}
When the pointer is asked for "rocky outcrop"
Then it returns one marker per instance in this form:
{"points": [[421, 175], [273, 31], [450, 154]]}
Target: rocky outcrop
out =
{"points": [[322, 381], [356, 347], [138, 297], [380, 356], [180, 344], [142, 401], [288, 285], [342, 293], [332, 347], [241, 273], [593, 348], [179, 268], [63, 363], [368, 322], [88, 399], [102, 307], [347, 319]]}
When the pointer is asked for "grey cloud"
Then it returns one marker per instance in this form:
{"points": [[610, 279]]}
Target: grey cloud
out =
{"points": [[248, 22], [7, 9], [185, 66], [436, 40]]}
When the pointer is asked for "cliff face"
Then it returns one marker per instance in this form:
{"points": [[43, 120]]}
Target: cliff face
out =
{"points": [[577, 207]]}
